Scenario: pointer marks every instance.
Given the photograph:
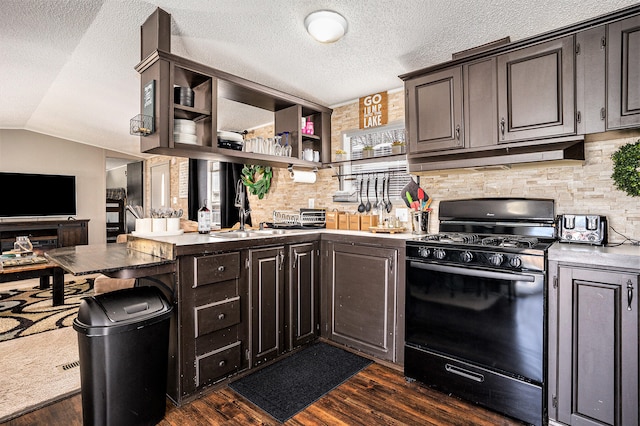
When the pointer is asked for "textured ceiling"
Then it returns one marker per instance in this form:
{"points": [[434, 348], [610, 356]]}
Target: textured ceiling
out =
{"points": [[67, 66]]}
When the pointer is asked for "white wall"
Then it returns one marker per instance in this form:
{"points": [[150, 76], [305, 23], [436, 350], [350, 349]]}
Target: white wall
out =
{"points": [[117, 178], [29, 152]]}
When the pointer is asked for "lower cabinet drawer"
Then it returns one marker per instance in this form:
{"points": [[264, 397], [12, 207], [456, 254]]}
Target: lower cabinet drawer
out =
{"points": [[216, 268], [216, 316], [217, 364]]}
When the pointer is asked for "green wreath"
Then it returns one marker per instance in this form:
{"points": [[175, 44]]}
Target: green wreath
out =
{"points": [[257, 179], [626, 168]]}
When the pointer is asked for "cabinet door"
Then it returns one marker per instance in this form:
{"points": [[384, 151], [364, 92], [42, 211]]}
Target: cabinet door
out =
{"points": [[480, 103], [303, 294], [623, 63], [434, 111], [73, 234], [266, 294], [591, 80], [362, 298], [536, 92], [596, 347]]}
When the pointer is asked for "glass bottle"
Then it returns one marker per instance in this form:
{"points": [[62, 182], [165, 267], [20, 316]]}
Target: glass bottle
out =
{"points": [[204, 219]]}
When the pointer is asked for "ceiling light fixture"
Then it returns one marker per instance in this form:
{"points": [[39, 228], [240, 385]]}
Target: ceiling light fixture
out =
{"points": [[326, 26]]}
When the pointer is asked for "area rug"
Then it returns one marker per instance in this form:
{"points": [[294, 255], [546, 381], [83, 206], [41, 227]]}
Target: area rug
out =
{"points": [[288, 386], [38, 370], [28, 312]]}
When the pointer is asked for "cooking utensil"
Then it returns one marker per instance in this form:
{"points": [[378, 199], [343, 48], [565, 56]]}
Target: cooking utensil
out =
{"points": [[421, 198], [375, 190], [389, 205], [361, 207], [409, 199], [367, 207]]}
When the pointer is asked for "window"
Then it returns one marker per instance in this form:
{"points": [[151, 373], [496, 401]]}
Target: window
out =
{"points": [[213, 185], [381, 165]]}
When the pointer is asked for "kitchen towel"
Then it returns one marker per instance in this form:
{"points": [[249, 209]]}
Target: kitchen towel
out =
{"points": [[303, 177]]}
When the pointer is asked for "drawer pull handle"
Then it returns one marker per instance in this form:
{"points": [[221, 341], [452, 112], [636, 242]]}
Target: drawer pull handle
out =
{"points": [[221, 316], [222, 363], [221, 268], [471, 375]]}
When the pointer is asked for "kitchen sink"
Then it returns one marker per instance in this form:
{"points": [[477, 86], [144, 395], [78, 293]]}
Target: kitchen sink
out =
{"points": [[252, 233]]}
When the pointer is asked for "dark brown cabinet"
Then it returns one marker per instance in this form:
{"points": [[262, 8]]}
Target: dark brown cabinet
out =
{"points": [[213, 90], [266, 298], [433, 109], [212, 327], [45, 234], [480, 103], [303, 295], [591, 80], [623, 74], [360, 287], [536, 94], [593, 345]]}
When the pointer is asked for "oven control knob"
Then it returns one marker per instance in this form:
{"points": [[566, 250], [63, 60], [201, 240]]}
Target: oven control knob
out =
{"points": [[496, 259], [515, 262], [424, 252], [466, 256], [439, 254]]}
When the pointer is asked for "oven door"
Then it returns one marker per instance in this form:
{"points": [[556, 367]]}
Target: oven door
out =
{"points": [[493, 319]]}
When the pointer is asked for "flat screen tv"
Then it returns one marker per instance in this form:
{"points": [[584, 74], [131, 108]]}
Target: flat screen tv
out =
{"points": [[36, 195]]}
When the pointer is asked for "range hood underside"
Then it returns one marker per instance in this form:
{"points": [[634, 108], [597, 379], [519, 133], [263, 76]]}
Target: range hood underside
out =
{"points": [[498, 156]]}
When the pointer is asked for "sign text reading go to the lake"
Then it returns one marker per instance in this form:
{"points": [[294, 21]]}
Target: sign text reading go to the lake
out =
{"points": [[374, 110]]}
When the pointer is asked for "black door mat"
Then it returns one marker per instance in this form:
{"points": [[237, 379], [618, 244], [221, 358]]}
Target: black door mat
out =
{"points": [[288, 386]]}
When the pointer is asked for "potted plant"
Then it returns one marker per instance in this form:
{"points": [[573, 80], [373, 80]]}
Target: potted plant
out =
{"points": [[367, 151], [341, 155], [397, 147]]}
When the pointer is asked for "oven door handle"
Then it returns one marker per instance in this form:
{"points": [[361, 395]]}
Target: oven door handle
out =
{"points": [[507, 276]]}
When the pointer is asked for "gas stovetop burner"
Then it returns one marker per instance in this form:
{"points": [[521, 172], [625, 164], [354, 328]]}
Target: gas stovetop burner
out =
{"points": [[510, 241], [453, 238]]}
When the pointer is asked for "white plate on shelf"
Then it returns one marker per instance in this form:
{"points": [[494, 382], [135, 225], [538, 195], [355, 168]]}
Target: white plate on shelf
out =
{"points": [[185, 138], [230, 136], [184, 126]]}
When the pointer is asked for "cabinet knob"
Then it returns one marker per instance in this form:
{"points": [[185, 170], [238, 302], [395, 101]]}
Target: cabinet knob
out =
{"points": [[221, 268], [221, 316], [222, 363]]}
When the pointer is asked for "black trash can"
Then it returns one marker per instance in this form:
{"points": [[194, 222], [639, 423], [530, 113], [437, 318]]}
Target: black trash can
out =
{"points": [[123, 341]]}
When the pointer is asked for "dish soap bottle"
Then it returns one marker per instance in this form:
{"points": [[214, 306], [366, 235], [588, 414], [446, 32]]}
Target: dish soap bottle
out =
{"points": [[204, 219]]}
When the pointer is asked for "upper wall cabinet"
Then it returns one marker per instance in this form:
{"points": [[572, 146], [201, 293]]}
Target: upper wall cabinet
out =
{"points": [[480, 103], [536, 91], [623, 74], [433, 111], [188, 99], [591, 112]]}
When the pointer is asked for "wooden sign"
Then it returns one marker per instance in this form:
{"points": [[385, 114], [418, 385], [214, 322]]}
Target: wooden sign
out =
{"points": [[374, 110]]}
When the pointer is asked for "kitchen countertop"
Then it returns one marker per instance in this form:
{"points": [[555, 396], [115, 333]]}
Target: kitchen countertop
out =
{"points": [[114, 260], [194, 238], [624, 256]]}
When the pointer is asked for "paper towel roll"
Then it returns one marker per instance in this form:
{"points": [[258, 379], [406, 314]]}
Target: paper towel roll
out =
{"points": [[303, 177]]}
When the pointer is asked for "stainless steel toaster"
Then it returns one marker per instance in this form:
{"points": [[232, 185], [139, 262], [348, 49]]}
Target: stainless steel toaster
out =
{"points": [[583, 228]]}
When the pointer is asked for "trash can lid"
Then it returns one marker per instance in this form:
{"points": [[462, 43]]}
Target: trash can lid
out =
{"points": [[122, 306]]}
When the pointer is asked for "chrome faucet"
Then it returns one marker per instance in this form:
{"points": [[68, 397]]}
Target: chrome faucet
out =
{"points": [[239, 203]]}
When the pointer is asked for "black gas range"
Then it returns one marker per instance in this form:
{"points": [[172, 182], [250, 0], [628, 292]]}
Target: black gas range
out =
{"points": [[475, 303]]}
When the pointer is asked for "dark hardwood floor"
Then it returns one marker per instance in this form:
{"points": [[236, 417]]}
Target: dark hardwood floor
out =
{"points": [[377, 395]]}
